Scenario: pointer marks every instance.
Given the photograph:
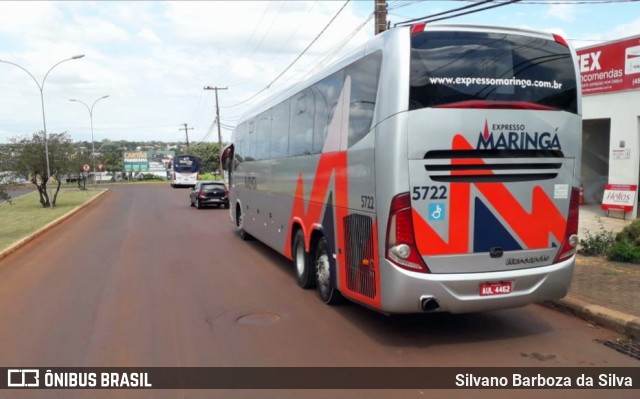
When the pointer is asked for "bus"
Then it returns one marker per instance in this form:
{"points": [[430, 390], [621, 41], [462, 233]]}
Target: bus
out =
{"points": [[436, 169], [184, 170]]}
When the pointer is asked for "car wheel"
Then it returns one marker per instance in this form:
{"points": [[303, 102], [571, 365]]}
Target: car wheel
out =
{"points": [[303, 266], [240, 224], [326, 290], [198, 203]]}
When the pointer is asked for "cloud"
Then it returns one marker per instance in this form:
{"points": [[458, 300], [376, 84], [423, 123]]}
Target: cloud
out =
{"points": [[148, 35], [563, 12]]}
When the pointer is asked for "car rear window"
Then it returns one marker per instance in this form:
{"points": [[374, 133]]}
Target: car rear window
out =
{"points": [[212, 186], [450, 67]]}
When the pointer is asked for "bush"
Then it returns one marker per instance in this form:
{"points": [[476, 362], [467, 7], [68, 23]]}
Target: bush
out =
{"points": [[627, 244], [206, 176], [630, 233], [624, 251], [4, 195], [150, 176], [598, 243]]}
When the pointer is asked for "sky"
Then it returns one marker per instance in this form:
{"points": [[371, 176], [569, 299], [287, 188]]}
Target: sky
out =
{"points": [[154, 58]]}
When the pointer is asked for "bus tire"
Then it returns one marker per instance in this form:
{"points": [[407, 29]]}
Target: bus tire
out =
{"points": [[322, 265], [240, 225], [302, 263]]}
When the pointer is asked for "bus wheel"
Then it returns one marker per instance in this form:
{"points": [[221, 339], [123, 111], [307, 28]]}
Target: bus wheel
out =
{"points": [[302, 263], [327, 292], [240, 224]]}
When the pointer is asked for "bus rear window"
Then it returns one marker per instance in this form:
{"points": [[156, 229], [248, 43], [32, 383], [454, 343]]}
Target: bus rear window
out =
{"points": [[456, 67], [186, 164]]}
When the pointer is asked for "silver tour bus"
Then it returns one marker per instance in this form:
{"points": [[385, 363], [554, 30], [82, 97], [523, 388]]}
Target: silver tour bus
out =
{"points": [[434, 169]]}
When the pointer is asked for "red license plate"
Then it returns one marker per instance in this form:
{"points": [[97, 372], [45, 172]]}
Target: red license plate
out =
{"points": [[500, 288]]}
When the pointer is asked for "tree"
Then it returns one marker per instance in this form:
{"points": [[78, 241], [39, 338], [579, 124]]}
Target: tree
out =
{"points": [[4, 174], [29, 160], [112, 160], [208, 154]]}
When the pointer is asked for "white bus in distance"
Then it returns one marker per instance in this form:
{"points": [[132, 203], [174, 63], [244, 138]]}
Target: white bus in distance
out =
{"points": [[185, 170]]}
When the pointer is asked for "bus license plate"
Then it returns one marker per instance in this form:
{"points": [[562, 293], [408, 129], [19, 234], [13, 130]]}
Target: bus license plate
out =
{"points": [[500, 288]]}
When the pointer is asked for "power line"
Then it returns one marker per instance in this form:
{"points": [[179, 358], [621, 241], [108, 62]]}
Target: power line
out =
{"points": [[280, 51], [255, 29], [554, 2], [294, 61], [428, 19], [339, 46], [475, 4]]}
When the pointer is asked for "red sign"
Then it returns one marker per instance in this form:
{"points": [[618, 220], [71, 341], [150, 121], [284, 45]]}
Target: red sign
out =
{"points": [[610, 67], [619, 197], [100, 167], [86, 167]]}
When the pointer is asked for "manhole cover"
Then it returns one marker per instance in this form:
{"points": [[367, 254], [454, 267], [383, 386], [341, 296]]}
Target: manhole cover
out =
{"points": [[259, 319], [629, 348]]}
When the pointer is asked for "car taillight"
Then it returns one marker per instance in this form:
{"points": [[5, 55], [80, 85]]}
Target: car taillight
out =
{"points": [[201, 193], [401, 243], [226, 193], [570, 242]]}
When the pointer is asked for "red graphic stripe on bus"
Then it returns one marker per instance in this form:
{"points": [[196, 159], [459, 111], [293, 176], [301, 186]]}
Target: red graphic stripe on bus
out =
{"points": [[331, 169], [532, 228]]}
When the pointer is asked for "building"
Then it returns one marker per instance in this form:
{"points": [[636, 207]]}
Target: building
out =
{"points": [[610, 75]]}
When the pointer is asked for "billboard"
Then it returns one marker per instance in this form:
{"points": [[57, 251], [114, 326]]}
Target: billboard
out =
{"points": [[148, 161], [610, 67]]}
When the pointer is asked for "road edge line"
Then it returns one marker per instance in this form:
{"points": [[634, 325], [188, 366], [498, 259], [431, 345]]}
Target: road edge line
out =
{"points": [[24, 241]]}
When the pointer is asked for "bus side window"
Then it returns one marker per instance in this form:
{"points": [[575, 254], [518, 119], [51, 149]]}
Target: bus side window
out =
{"points": [[364, 89], [301, 132], [280, 130], [325, 94]]}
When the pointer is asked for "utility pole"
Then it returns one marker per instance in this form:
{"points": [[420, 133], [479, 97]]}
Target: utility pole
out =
{"points": [[218, 122], [186, 133], [381, 16]]}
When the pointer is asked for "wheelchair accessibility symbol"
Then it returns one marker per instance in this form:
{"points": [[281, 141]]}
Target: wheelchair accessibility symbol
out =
{"points": [[436, 212]]}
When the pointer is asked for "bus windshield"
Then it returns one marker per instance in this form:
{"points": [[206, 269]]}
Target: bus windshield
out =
{"points": [[455, 67]]}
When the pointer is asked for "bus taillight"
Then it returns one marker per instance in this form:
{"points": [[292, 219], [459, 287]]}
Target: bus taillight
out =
{"points": [[418, 28], [570, 241], [560, 39], [401, 243]]}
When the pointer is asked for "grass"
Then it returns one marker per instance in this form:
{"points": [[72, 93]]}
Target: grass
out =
{"points": [[26, 215]]}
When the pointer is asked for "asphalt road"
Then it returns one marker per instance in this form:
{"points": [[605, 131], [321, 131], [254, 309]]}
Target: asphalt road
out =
{"points": [[140, 278]]}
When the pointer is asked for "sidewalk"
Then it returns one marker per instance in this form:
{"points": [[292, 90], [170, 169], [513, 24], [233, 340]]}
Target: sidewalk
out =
{"points": [[604, 292]]}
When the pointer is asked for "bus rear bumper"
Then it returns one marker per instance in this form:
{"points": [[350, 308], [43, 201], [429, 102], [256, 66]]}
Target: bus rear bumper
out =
{"points": [[410, 292]]}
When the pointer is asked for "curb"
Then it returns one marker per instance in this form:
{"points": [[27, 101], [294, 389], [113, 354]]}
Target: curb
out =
{"points": [[21, 243], [599, 315]]}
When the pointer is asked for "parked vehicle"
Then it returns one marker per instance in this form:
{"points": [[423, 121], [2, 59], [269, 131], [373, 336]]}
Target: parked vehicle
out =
{"points": [[437, 168], [207, 193]]}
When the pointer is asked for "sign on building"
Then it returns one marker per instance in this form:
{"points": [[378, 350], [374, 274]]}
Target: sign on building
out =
{"points": [[610, 67], [619, 197]]}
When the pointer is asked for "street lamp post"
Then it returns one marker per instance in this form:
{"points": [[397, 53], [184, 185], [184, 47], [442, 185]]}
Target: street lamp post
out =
{"points": [[93, 149], [44, 121]]}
